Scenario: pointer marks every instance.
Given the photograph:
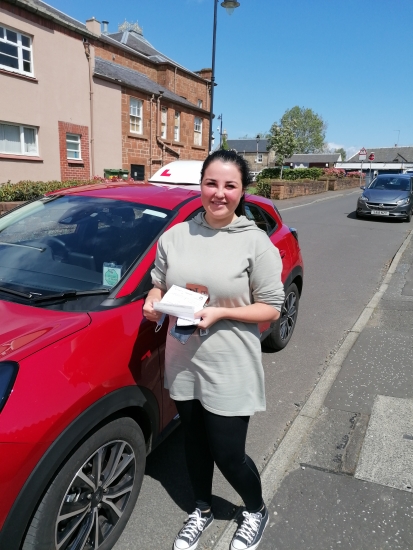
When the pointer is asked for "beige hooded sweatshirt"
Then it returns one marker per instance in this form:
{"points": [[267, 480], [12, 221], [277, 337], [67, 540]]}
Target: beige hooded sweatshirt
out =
{"points": [[239, 266]]}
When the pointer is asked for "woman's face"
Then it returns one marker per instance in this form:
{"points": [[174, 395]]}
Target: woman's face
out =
{"points": [[221, 191]]}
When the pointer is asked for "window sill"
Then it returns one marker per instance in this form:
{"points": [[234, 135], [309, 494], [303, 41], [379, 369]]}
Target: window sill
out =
{"points": [[198, 147], [138, 136], [19, 75], [26, 158], [75, 161], [178, 144]]}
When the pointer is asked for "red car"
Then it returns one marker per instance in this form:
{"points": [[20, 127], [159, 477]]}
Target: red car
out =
{"points": [[82, 400]]}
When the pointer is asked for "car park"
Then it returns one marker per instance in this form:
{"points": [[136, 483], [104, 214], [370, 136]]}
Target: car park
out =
{"points": [[82, 400], [388, 195]]}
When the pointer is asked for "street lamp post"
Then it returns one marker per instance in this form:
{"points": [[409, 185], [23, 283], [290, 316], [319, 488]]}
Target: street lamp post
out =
{"points": [[258, 140], [229, 5]]}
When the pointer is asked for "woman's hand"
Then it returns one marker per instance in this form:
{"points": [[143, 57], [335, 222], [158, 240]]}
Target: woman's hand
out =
{"points": [[155, 295], [209, 316]]}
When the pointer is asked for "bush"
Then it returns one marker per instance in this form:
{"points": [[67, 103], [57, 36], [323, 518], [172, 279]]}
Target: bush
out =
{"points": [[268, 173], [334, 172], [29, 190], [292, 174], [263, 188], [355, 175]]}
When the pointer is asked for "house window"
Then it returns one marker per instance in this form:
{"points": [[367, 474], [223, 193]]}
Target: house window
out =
{"points": [[135, 115], [177, 126], [200, 103], [15, 51], [164, 116], [259, 157], [18, 140], [73, 146], [198, 131]]}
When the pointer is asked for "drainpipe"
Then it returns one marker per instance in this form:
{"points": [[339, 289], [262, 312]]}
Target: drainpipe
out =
{"points": [[86, 45], [158, 115], [176, 68], [150, 138]]}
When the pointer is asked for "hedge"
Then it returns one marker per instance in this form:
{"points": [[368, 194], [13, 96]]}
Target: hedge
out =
{"points": [[29, 190]]}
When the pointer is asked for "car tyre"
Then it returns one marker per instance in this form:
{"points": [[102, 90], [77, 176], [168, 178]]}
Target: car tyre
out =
{"points": [[408, 219], [77, 506], [284, 327]]}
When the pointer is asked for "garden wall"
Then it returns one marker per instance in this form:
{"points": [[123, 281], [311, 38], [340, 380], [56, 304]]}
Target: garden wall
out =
{"points": [[285, 190]]}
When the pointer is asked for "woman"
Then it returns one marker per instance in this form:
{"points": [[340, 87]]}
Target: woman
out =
{"points": [[216, 378]]}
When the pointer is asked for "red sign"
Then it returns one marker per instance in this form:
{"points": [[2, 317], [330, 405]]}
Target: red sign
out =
{"points": [[362, 154], [166, 173], [371, 156]]}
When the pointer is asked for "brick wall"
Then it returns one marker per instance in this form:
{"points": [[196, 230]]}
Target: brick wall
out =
{"points": [[71, 169], [140, 149]]}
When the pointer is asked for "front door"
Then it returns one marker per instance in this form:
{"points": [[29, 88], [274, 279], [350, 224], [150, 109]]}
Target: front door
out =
{"points": [[137, 172]]}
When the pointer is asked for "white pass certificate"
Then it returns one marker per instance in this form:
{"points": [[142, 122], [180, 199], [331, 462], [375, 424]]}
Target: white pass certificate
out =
{"points": [[182, 303]]}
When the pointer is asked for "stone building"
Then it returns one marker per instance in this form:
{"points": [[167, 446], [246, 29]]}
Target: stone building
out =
{"points": [[77, 100]]}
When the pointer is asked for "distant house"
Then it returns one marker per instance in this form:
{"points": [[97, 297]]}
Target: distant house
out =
{"points": [[313, 160], [386, 159], [76, 100], [254, 152]]}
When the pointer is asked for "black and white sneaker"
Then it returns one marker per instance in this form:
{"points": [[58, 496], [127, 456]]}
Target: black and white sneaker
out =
{"points": [[249, 534], [188, 537]]}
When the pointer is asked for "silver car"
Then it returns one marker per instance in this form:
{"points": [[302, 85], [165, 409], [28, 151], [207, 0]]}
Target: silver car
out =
{"points": [[388, 195]]}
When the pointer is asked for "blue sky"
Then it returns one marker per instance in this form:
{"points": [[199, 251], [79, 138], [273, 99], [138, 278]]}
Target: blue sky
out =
{"points": [[349, 61]]}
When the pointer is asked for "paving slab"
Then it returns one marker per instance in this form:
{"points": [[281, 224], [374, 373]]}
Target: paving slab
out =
{"points": [[315, 510], [387, 453]]}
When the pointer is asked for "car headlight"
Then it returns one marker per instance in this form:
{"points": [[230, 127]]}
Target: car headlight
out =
{"points": [[402, 202], [8, 373], [363, 198]]}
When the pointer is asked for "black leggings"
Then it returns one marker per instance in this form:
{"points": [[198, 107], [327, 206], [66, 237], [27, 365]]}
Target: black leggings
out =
{"points": [[213, 438]]}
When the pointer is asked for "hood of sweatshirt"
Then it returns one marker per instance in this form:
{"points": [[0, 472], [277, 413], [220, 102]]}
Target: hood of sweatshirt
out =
{"points": [[237, 226]]}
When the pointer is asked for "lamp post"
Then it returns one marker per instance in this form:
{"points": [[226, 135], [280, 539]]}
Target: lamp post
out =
{"points": [[229, 5], [258, 140]]}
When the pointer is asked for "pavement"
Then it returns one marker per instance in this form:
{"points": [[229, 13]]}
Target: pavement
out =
{"points": [[342, 477]]}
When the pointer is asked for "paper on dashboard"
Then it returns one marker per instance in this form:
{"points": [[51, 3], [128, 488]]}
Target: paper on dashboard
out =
{"points": [[182, 303]]}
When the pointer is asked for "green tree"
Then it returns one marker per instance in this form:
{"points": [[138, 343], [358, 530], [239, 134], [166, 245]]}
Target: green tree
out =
{"points": [[224, 144], [342, 153], [283, 142], [309, 129]]}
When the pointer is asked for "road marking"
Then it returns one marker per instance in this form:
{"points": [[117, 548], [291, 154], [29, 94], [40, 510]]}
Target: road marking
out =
{"points": [[278, 464], [318, 200]]}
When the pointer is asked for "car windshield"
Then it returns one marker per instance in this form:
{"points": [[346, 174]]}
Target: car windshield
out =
{"points": [[391, 183], [74, 243]]}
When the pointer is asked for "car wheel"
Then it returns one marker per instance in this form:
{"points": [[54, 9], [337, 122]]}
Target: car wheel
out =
{"points": [[90, 500], [283, 328], [409, 217]]}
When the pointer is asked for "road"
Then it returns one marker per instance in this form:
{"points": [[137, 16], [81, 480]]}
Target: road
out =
{"points": [[345, 260]]}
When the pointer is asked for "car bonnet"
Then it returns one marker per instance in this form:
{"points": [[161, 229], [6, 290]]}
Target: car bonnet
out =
{"points": [[385, 195], [26, 329]]}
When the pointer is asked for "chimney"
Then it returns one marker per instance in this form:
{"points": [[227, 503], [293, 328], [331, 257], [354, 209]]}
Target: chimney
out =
{"points": [[105, 27], [93, 26]]}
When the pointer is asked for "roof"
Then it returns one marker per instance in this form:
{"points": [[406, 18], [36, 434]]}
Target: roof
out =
{"points": [[248, 145], [314, 157], [387, 154], [162, 196], [134, 79]]}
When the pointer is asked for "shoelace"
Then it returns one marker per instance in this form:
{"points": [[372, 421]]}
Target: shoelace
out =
{"points": [[193, 524], [249, 526]]}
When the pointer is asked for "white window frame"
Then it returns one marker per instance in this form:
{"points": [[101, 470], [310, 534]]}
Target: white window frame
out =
{"points": [[22, 151], [77, 139], [135, 115], [164, 122], [20, 50], [177, 126], [200, 103], [259, 158], [198, 130]]}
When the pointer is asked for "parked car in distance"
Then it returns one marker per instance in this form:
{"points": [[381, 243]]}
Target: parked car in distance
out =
{"points": [[82, 398], [389, 195]]}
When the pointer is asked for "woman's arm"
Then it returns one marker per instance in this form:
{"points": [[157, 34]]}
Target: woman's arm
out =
{"points": [[254, 313], [154, 295]]}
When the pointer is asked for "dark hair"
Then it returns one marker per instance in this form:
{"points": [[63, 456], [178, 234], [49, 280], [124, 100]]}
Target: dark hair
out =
{"points": [[231, 156]]}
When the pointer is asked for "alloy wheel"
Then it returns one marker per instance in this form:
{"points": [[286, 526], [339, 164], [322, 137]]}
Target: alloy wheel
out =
{"points": [[288, 315], [96, 498]]}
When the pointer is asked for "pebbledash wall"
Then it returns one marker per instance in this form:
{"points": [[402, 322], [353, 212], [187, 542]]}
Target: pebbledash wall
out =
{"points": [[56, 100]]}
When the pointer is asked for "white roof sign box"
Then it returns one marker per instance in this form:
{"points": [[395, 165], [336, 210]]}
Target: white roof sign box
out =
{"points": [[179, 172]]}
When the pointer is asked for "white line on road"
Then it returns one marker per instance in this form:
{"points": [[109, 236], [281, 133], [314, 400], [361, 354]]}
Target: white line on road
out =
{"points": [[318, 200], [277, 467]]}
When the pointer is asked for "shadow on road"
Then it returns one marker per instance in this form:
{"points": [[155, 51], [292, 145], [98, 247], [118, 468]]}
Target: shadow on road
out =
{"points": [[374, 219], [167, 465]]}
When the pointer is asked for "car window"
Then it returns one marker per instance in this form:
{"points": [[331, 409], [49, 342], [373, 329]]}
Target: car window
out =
{"points": [[262, 220], [75, 242]]}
